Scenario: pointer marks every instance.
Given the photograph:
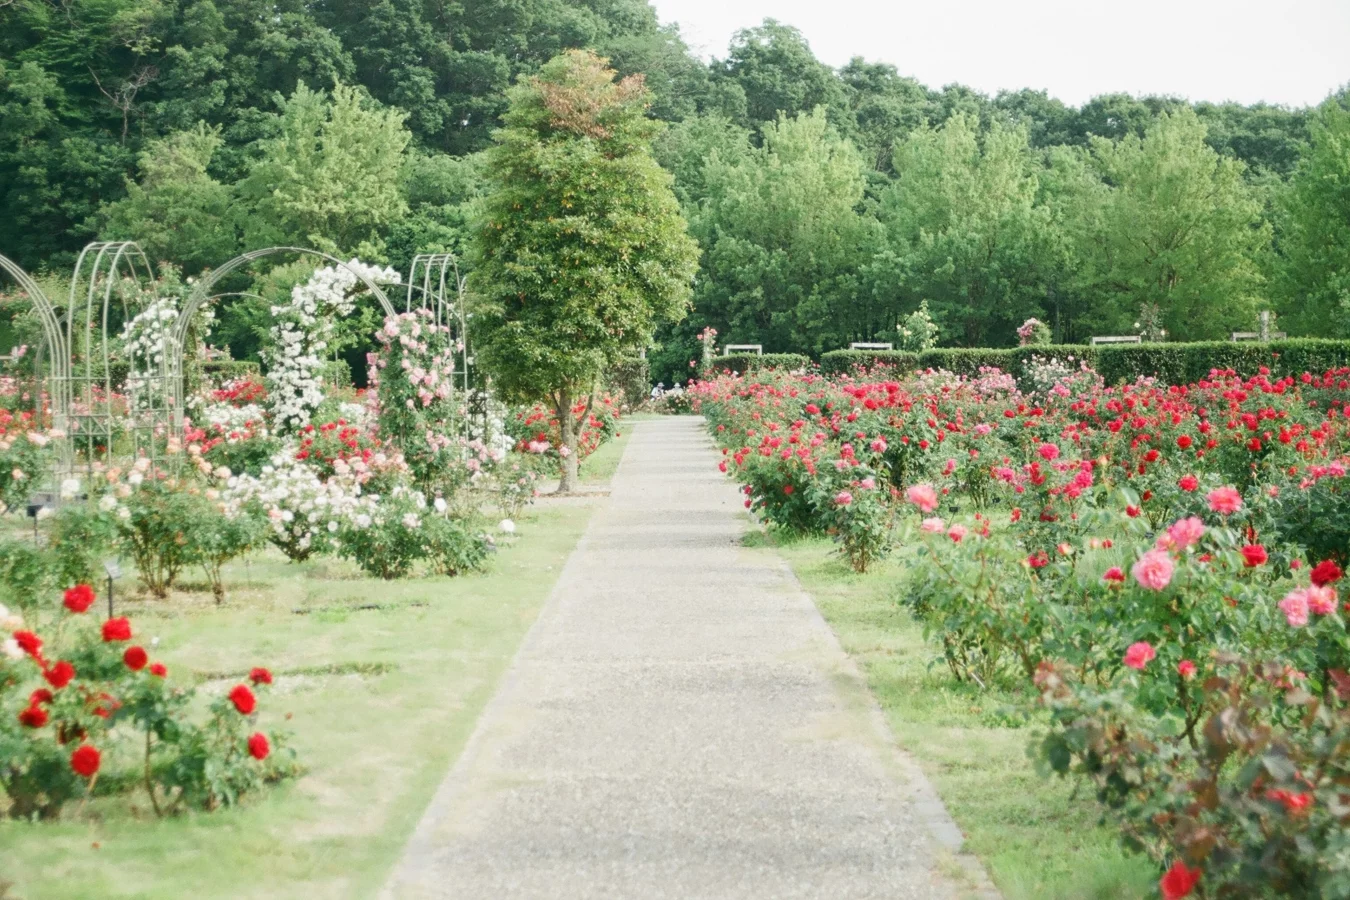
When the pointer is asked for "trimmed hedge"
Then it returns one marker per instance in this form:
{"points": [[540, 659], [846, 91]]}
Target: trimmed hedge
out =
{"points": [[740, 363], [1180, 363]]}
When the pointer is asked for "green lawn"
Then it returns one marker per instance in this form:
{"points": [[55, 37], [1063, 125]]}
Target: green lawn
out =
{"points": [[1037, 841], [381, 702]]}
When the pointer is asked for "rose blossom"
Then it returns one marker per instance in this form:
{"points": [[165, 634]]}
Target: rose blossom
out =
{"points": [[1322, 600], [843, 498], [1254, 555], [1114, 574], [1295, 607], [956, 532], [933, 525], [1154, 570], [1225, 500], [1183, 533], [1139, 655], [923, 496]]}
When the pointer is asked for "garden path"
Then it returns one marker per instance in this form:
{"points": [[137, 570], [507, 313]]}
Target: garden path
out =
{"points": [[680, 722]]}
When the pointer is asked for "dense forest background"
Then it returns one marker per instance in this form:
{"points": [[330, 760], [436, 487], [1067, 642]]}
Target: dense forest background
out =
{"points": [[828, 203]]}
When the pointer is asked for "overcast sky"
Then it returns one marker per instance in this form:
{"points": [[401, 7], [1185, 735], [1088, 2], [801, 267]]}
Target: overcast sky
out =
{"points": [[1293, 52]]}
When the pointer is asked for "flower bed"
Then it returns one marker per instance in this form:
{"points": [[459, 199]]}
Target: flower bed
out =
{"points": [[1155, 563]]}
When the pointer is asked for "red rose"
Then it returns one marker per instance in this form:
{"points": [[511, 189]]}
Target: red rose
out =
{"points": [[258, 747], [135, 658], [1254, 555], [33, 717], [79, 598], [41, 695], [159, 670], [1188, 483], [1185, 668], [117, 630], [30, 643], [259, 675], [1184, 441], [1325, 573], [85, 760], [243, 699], [59, 675], [1179, 881]]}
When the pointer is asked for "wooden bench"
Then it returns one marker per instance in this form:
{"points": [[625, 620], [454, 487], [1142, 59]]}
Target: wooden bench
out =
{"points": [[757, 349], [1118, 339], [864, 346]]}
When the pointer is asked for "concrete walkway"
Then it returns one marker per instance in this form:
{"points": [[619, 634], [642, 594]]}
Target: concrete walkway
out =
{"points": [[680, 723]]}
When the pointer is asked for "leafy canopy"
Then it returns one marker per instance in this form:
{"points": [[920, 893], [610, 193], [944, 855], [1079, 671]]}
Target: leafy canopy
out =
{"points": [[583, 250]]}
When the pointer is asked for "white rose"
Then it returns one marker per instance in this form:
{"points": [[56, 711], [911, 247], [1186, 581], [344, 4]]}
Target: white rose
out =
{"points": [[506, 526], [11, 649]]}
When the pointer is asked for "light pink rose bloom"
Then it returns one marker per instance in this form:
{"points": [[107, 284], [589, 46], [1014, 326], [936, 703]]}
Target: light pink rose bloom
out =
{"points": [[933, 525], [923, 496], [879, 445], [1154, 570], [1322, 600], [1182, 534], [1295, 607], [868, 483], [843, 498], [1225, 500]]}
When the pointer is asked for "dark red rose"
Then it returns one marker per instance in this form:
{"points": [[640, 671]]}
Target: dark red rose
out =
{"points": [[28, 642], [59, 674], [135, 658], [79, 598], [259, 675], [258, 747], [41, 695], [33, 717], [1326, 572], [159, 670], [85, 761], [117, 630], [243, 699]]}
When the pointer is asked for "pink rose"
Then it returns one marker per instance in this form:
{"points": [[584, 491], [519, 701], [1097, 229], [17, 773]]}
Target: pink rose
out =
{"points": [[1225, 500], [923, 496], [879, 445], [933, 525], [1139, 655], [1182, 534], [1322, 600], [956, 533], [1295, 607], [1154, 570], [843, 498]]}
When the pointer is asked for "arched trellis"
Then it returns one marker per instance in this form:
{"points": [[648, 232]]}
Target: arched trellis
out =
{"points": [[202, 294], [94, 416], [51, 337], [442, 290]]}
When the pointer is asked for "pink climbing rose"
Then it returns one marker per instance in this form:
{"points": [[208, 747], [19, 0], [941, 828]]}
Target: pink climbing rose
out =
{"points": [[1225, 500]]}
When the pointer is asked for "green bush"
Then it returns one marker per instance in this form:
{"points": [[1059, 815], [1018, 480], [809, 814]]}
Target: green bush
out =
{"points": [[226, 370], [80, 538], [631, 377], [740, 363], [1180, 363]]}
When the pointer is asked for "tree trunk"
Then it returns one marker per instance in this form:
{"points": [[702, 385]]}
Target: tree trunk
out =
{"points": [[567, 424]]}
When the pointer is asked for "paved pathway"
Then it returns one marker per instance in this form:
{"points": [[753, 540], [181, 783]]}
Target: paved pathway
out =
{"points": [[679, 723]]}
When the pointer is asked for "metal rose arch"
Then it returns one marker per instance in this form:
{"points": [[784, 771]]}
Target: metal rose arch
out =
{"points": [[436, 284], [202, 294]]}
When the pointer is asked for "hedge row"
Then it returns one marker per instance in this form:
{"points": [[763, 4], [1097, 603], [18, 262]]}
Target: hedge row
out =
{"points": [[740, 363], [1179, 363]]}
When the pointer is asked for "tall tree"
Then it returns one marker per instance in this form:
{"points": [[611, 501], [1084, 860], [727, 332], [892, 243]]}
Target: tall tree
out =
{"points": [[583, 250], [965, 231], [774, 66], [1179, 229], [785, 243], [1314, 273], [330, 178]]}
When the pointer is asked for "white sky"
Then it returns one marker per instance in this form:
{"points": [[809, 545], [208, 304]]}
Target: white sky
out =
{"points": [[1293, 52]]}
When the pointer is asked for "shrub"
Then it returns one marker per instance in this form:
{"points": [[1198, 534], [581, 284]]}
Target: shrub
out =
{"points": [[387, 538], [224, 537], [76, 710], [164, 518], [918, 332], [455, 544], [302, 512], [741, 363], [80, 537]]}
